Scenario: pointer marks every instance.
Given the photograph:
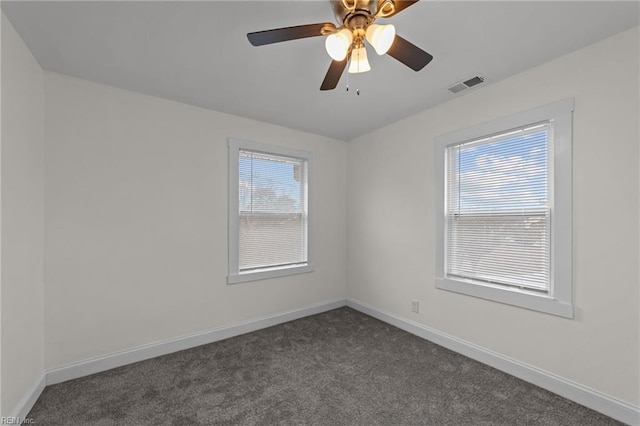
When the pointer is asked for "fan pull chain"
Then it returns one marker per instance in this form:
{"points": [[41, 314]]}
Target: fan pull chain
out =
{"points": [[348, 78], [357, 89]]}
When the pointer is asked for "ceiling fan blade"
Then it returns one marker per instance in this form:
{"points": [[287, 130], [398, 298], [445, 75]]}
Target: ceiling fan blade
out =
{"points": [[277, 35], [400, 5], [409, 54], [333, 74]]}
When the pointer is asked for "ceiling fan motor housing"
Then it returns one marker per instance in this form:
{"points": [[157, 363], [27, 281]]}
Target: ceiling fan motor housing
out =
{"points": [[346, 10]]}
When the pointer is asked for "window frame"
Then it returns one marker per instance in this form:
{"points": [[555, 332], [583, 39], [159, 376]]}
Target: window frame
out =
{"points": [[235, 276], [559, 299]]}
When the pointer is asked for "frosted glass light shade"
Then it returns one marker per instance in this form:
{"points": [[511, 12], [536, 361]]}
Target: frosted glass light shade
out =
{"points": [[337, 44], [359, 62], [381, 37]]}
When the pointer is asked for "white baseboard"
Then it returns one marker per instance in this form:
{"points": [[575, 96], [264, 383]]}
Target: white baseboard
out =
{"points": [[141, 353], [26, 403], [576, 392]]}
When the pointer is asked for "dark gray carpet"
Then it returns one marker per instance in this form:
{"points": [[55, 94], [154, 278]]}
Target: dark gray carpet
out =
{"points": [[337, 368]]}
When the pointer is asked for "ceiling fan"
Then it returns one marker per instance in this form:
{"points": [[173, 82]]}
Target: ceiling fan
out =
{"points": [[346, 42]]}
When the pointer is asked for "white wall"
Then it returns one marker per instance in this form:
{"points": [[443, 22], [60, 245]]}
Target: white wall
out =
{"points": [[136, 221], [21, 189], [391, 224]]}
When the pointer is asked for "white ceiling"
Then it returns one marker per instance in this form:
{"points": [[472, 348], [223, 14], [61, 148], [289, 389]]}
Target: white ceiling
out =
{"points": [[198, 53]]}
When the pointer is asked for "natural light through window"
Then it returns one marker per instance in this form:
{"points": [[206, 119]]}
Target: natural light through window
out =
{"points": [[269, 211], [273, 211], [504, 203], [498, 209]]}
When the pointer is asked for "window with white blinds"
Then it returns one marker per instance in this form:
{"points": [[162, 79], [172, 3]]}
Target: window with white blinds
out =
{"points": [[498, 213], [503, 200], [273, 211], [269, 220]]}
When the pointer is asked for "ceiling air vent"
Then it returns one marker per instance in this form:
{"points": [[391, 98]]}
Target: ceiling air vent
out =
{"points": [[473, 81]]}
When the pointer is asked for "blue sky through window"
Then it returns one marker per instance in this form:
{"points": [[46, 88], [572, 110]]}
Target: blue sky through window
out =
{"points": [[503, 173], [269, 184]]}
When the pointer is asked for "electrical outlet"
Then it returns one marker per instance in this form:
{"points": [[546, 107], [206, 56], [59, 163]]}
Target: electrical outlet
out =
{"points": [[415, 306]]}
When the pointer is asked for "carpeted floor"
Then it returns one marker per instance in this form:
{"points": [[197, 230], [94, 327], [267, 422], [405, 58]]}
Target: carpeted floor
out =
{"points": [[337, 368]]}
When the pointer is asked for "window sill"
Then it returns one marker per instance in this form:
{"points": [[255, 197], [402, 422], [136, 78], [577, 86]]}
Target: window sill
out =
{"points": [[264, 274], [514, 297]]}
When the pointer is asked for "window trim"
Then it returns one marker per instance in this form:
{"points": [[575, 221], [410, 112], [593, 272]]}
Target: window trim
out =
{"points": [[234, 274], [559, 299]]}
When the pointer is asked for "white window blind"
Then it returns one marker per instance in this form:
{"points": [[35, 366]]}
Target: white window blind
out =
{"points": [[273, 211], [498, 210]]}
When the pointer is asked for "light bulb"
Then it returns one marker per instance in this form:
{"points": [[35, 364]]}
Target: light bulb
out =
{"points": [[359, 62], [381, 37], [337, 44]]}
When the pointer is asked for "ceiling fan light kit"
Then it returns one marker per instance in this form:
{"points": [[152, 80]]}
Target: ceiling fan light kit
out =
{"points": [[359, 62], [338, 44], [381, 37], [346, 43]]}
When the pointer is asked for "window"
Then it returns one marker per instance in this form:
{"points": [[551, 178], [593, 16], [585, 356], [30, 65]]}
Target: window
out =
{"points": [[504, 210], [269, 220]]}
